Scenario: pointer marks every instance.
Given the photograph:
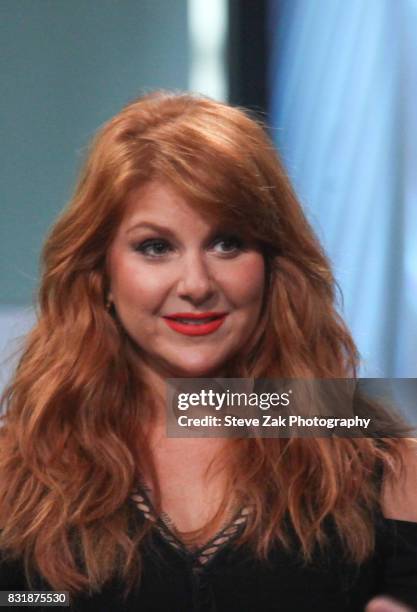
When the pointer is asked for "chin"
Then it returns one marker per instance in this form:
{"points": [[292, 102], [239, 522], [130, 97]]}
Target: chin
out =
{"points": [[199, 368]]}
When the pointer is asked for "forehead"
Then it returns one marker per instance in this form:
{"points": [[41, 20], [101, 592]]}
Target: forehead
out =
{"points": [[160, 202]]}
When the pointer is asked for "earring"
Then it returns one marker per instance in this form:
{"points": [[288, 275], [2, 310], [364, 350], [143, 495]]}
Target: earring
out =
{"points": [[108, 303]]}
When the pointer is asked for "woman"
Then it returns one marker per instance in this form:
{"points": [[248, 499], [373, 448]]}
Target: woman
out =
{"points": [[184, 253]]}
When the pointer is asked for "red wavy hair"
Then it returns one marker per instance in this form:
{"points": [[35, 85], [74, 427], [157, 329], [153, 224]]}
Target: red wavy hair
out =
{"points": [[72, 442]]}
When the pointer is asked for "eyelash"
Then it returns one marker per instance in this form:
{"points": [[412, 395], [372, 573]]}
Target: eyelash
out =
{"points": [[146, 245]]}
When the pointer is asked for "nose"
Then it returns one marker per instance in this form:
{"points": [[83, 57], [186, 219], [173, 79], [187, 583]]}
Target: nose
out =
{"points": [[195, 284]]}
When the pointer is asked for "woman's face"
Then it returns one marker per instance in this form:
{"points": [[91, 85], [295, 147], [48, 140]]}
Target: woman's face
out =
{"points": [[187, 291]]}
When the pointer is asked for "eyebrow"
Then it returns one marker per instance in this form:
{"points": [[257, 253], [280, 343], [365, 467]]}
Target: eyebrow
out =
{"points": [[153, 226], [164, 229]]}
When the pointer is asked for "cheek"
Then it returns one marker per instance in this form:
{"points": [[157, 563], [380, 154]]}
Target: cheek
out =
{"points": [[245, 283], [134, 285]]}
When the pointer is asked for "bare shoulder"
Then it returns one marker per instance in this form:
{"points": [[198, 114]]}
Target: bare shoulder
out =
{"points": [[399, 495]]}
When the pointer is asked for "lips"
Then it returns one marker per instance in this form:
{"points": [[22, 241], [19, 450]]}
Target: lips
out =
{"points": [[195, 324]]}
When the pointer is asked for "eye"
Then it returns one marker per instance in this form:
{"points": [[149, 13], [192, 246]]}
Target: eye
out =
{"points": [[155, 247], [227, 245]]}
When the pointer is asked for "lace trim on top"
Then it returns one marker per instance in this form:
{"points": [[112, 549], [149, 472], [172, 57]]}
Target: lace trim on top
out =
{"points": [[199, 554]]}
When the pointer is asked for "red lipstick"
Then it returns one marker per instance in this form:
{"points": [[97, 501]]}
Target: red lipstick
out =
{"points": [[195, 323]]}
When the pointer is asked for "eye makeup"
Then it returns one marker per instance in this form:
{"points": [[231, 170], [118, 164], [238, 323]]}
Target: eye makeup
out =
{"points": [[223, 244]]}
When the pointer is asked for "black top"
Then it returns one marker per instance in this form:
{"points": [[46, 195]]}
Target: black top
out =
{"points": [[219, 577]]}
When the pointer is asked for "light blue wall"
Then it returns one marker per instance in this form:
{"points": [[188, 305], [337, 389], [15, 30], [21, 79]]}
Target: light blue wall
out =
{"points": [[344, 86], [65, 67]]}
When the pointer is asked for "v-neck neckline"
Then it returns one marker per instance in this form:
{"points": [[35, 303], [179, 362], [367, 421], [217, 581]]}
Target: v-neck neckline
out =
{"points": [[200, 555]]}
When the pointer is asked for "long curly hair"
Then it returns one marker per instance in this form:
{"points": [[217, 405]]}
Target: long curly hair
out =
{"points": [[72, 443]]}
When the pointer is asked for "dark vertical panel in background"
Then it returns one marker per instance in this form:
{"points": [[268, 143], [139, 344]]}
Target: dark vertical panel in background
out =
{"points": [[248, 54]]}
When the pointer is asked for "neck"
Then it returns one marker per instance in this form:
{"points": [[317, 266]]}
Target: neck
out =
{"points": [[155, 378]]}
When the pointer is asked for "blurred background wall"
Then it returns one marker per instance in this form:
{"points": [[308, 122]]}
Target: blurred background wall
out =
{"points": [[335, 80], [343, 100]]}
